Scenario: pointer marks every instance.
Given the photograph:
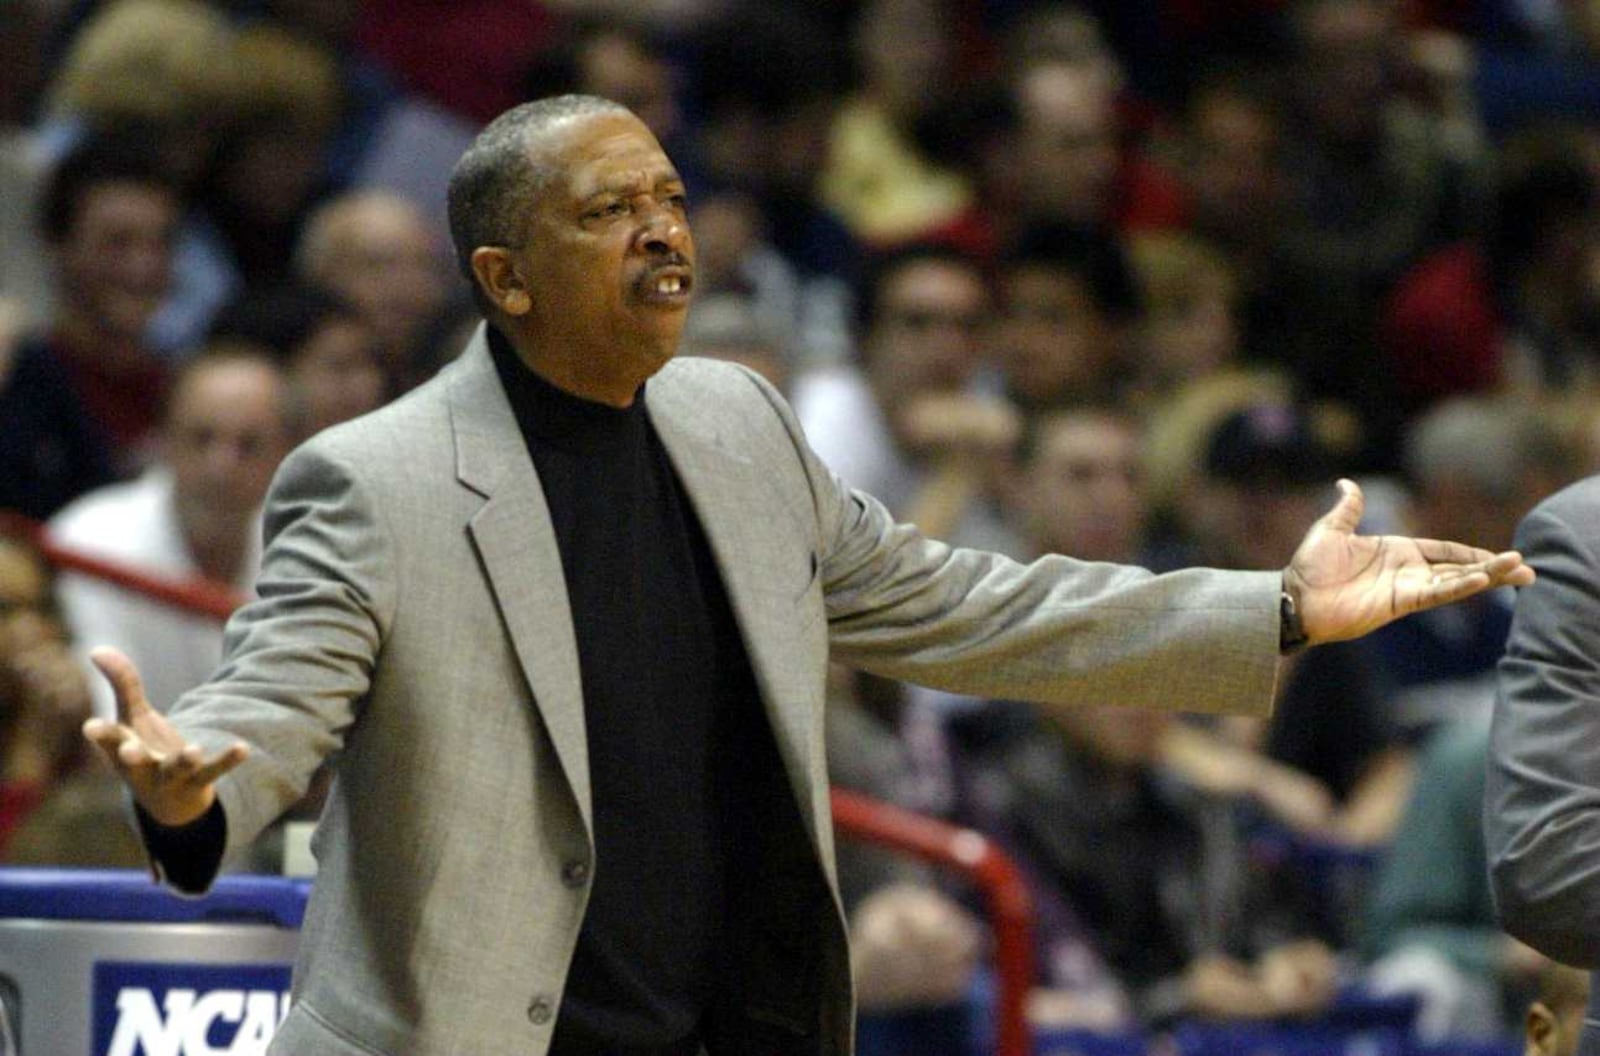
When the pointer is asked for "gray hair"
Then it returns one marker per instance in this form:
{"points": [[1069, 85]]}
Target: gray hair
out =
{"points": [[497, 178], [1489, 445]]}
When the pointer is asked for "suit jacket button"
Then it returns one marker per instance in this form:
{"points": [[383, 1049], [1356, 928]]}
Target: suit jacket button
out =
{"points": [[541, 1011], [575, 873]]}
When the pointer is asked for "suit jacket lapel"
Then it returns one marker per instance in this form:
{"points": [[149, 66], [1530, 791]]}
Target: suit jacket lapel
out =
{"points": [[720, 483], [515, 540]]}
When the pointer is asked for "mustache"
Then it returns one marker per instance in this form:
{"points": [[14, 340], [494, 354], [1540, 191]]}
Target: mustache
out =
{"points": [[669, 259]]}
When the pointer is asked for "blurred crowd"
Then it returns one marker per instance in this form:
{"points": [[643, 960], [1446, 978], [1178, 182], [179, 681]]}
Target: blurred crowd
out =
{"points": [[1129, 280]]}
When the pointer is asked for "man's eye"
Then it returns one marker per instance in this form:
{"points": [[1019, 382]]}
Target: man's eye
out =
{"points": [[678, 200], [616, 208]]}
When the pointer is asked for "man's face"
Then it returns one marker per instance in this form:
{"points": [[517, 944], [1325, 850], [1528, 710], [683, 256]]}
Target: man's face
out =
{"points": [[116, 259], [386, 263], [608, 256], [1054, 339], [615, 66], [1233, 166], [1067, 144], [337, 375], [925, 337], [1085, 488], [1345, 69], [225, 434], [1262, 524]]}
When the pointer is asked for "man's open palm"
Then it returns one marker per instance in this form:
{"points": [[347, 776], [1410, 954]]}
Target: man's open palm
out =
{"points": [[1346, 585], [170, 778]]}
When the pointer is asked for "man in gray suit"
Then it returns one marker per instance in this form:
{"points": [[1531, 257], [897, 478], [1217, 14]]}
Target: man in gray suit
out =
{"points": [[564, 614], [1542, 796]]}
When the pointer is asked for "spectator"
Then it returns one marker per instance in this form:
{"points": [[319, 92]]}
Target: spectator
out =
{"points": [[269, 165], [1063, 139], [1082, 487], [1372, 184], [376, 251], [149, 68], [727, 327], [617, 61], [880, 179], [765, 82], [1147, 909], [24, 269], [1068, 304], [1229, 155], [1473, 463], [325, 346], [368, 93], [1266, 466], [1517, 309], [81, 399], [1070, 156], [909, 425], [1188, 329], [1083, 493], [1431, 927], [44, 696], [193, 515], [1554, 1022], [155, 72]]}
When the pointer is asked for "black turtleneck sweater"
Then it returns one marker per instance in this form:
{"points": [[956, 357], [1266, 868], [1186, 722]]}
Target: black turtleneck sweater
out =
{"points": [[671, 711]]}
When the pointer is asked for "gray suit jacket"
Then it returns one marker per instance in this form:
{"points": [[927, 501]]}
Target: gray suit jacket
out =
{"points": [[412, 617], [1542, 799]]}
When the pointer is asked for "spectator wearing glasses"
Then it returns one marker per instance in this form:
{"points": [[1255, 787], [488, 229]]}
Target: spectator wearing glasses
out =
{"points": [[911, 424]]}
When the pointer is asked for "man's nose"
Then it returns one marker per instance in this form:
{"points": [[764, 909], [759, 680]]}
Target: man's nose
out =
{"points": [[663, 233]]}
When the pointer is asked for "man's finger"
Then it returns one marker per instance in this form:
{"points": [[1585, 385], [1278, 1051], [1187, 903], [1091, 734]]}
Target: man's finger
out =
{"points": [[108, 738], [125, 682], [229, 758], [182, 764], [1448, 589], [1346, 513], [1443, 551], [135, 754], [1506, 567], [1510, 568]]}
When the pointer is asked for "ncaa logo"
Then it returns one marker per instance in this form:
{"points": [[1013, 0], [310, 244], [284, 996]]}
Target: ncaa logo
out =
{"points": [[149, 1009]]}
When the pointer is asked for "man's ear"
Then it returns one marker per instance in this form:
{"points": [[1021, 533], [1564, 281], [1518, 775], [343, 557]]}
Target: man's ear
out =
{"points": [[497, 277], [1541, 1031]]}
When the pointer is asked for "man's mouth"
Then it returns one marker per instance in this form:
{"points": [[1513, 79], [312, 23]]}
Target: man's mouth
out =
{"points": [[666, 285]]}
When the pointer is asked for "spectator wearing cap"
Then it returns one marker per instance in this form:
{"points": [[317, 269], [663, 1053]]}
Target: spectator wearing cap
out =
{"points": [[1266, 465]]}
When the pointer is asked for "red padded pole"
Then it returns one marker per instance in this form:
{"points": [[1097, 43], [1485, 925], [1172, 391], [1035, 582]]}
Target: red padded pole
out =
{"points": [[973, 855]]}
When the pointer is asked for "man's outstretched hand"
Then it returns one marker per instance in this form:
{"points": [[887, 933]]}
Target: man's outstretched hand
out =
{"points": [[170, 777], [1345, 585]]}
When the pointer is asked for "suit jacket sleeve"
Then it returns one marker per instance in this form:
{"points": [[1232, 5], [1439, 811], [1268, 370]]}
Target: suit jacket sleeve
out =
{"points": [[1542, 797], [300, 657], [1053, 631]]}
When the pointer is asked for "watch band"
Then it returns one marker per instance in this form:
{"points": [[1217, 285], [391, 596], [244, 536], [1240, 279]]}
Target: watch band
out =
{"points": [[1291, 632]]}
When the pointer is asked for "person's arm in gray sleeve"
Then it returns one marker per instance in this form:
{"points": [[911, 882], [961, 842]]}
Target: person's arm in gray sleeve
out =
{"points": [[296, 663], [1542, 799]]}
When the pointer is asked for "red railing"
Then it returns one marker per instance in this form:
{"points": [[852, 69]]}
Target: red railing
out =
{"points": [[977, 858], [201, 596], [856, 816]]}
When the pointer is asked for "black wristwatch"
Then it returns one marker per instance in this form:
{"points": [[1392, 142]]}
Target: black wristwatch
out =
{"points": [[1291, 632]]}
